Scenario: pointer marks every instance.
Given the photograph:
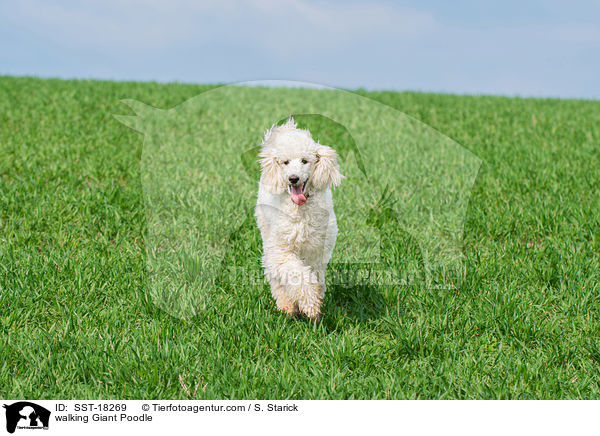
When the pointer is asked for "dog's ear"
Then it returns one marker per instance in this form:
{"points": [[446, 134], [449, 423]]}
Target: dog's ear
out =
{"points": [[271, 173], [326, 172]]}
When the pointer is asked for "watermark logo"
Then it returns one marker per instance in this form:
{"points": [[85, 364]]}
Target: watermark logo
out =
{"points": [[25, 415], [406, 186]]}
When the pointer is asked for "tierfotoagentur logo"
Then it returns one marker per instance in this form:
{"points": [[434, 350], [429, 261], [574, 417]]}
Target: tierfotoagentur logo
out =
{"points": [[25, 415], [400, 209]]}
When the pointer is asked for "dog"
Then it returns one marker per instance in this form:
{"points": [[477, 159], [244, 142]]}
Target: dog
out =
{"points": [[294, 212]]}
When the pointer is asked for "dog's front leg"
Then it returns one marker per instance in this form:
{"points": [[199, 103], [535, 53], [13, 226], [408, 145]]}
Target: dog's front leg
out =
{"points": [[282, 299], [301, 283]]}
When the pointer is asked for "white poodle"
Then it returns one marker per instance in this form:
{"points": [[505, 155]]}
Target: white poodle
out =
{"points": [[295, 215]]}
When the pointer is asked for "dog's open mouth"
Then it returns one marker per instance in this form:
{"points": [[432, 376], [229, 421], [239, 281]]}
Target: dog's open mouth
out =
{"points": [[297, 193]]}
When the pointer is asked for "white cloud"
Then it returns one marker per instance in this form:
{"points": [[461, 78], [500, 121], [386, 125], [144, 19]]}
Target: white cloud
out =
{"points": [[281, 26], [351, 44]]}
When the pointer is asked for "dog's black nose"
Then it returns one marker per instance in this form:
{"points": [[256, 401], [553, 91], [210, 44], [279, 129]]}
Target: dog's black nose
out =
{"points": [[294, 179]]}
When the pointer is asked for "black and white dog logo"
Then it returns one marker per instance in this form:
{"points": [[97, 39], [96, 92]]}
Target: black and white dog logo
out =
{"points": [[26, 415]]}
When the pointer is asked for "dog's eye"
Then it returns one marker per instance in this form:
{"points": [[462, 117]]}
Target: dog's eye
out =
{"points": [[304, 161], [286, 162]]}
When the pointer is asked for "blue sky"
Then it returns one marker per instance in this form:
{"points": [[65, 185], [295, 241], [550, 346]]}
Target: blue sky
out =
{"points": [[527, 48]]}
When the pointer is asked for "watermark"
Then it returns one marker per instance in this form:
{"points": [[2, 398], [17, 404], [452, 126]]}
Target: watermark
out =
{"points": [[25, 415], [265, 417], [341, 275], [404, 181]]}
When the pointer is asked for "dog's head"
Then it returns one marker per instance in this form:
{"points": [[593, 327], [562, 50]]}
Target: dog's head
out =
{"points": [[292, 161]]}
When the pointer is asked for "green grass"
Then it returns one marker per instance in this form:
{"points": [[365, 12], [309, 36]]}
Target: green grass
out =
{"points": [[78, 318]]}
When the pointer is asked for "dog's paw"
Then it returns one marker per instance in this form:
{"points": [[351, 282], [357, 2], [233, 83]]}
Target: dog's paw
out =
{"points": [[313, 313], [315, 319], [289, 308]]}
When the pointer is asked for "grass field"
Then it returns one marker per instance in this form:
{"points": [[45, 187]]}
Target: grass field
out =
{"points": [[78, 320]]}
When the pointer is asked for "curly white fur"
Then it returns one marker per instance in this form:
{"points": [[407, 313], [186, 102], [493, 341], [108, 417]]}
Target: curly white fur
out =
{"points": [[294, 212]]}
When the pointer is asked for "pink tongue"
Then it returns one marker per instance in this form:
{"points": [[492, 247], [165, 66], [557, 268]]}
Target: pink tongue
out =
{"points": [[297, 195]]}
